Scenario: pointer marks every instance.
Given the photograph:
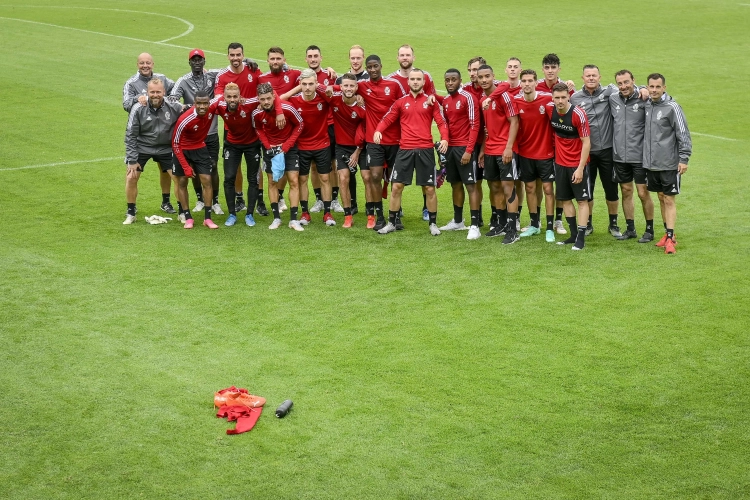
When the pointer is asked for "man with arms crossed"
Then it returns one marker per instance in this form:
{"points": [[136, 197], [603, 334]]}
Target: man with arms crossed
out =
{"points": [[136, 90], [667, 147], [416, 148], [629, 122], [148, 136], [276, 141], [572, 146]]}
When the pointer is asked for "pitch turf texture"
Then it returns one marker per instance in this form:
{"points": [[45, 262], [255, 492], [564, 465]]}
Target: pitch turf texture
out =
{"points": [[419, 367]]}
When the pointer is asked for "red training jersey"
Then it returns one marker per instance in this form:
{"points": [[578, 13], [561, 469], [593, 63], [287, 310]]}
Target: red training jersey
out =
{"points": [[429, 85], [462, 116], [379, 96], [238, 124], [264, 123], [497, 123], [315, 115], [541, 86], [191, 130], [348, 121], [416, 117], [534, 140], [246, 80], [283, 81], [568, 130]]}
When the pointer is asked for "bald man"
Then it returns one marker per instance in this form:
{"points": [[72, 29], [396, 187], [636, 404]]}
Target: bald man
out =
{"points": [[136, 90]]}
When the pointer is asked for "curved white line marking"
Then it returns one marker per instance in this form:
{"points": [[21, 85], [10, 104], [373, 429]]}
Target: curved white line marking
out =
{"points": [[190, 26], [57, 164], [714, 137]]}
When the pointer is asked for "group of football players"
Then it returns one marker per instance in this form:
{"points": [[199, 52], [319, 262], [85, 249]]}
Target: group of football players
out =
{"points": [[529, 137]]}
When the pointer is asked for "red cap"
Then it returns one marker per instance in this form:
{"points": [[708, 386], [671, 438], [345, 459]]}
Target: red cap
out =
{"points": [[196, 52]]}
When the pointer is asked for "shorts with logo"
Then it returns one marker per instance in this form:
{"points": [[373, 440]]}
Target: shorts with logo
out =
{"points": [[455, 171], [663, 181], [321, 157], [409, 160], [601, 162], [625, 173], [531, 170], [212, 145], [197, 159], [233, 154], [495, 170], [291, 161], [565, 190], [379, 155], [344, 153], [163, 159]]}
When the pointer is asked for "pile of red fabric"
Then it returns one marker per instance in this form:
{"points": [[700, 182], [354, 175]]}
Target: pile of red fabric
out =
{"points": [[238, 405]]}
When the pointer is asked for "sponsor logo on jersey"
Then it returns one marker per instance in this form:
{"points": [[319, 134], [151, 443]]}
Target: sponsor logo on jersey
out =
{"points": [[521, 111]]}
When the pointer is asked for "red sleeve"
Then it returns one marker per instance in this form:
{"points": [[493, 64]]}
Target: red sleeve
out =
{"points": [[359, 136], [501, 88], [429, 87], [581, 122], [390, 117], [297, 122], [321, 91], [277, 104], [437, 115], [261, 134], [220, 84], [439, 98], [177, 150], [472, 108]]}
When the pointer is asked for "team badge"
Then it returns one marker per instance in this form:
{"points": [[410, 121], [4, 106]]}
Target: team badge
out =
{"points": [[494, 106], [635, 107], [249, 78], [354, 115], [658, 115], [325, 82], [424, 105], [335, 109], [243, 114], [320, 106], [167, 115], [541, 110], [458, 104], [406, 105], [226, 154], [195, 127], [561, 120], [601, 98], [387, 91], [286, 79]]}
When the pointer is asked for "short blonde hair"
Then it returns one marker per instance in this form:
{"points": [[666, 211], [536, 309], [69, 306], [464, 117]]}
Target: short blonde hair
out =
{"points": [[357, 47], [231, 86], [307, 73]]}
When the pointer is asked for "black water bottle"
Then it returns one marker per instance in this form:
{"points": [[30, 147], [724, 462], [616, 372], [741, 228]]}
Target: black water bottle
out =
{"points": [[284, 408]]}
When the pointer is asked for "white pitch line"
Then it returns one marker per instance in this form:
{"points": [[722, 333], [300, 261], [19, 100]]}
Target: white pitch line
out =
{"points": [[190, 25], [60, 163], [715, 136]]}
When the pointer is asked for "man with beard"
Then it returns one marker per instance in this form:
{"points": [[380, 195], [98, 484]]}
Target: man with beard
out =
{"points": [[148, 136], [136, 90], [416, 148]]}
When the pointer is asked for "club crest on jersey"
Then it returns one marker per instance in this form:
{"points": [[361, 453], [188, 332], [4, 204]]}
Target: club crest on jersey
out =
{"points": [[387, 91], [658, 115], [335, 109], [601, 98], [424, 105], [286, 78], [243, 114], [210, 116], [195, 127], [354, 115], [249, 78], [494, 105], [458, 104], [320, 106], [167, 115], [325, 82], [541, 110], [635, 107]]}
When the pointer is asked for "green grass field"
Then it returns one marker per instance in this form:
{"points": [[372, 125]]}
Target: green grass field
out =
{"points": [[419, 367]]}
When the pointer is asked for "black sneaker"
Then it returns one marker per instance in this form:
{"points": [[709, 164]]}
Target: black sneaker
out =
{"points": [[630, 233], [481, 223], [355, 210], [614, 231], [261, 209], [495, 231], [589, 229], [380, 224], [239, 205], [511, 237], [167, 207], [399, 225], [647, 237]]}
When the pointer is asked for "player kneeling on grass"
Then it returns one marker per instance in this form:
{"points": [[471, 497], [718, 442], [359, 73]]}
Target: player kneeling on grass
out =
{"points": [[279, 141], [190, 155], [667, 147], [572, 145], [148, 136], [415, 114]]}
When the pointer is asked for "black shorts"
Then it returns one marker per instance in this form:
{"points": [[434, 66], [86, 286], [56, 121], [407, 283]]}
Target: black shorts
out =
{"points": [[343, 153], [625, 173], [495, 170], [565, 190], [198, 160], [233, 154], [163, 159], [379, 155], [531, 170], [212, 145], [291, 159], [601, 162], [457, 172], [332, 140], [409, 160], [321, 157], [663, 181]]}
